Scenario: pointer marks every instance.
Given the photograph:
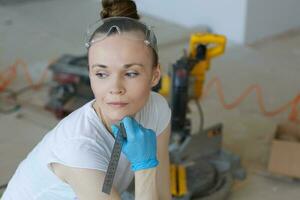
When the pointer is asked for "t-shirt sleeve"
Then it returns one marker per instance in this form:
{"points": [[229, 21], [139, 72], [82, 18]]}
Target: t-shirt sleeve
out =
{"points": [[162, 113], [80, 153]]}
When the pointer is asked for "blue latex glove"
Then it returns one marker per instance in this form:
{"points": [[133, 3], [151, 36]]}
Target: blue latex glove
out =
{"points": [[139, 146]]}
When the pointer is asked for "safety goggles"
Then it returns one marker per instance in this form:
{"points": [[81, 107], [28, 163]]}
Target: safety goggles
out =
{"points": [[129, 28]]}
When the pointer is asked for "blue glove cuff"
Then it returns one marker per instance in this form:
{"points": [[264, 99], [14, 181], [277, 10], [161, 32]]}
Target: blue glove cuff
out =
{"points": [[144, 165]]}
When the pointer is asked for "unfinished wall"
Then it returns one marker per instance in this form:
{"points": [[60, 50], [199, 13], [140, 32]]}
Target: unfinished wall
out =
{"points": [[270, 17], [223, 17], [242, 21]]}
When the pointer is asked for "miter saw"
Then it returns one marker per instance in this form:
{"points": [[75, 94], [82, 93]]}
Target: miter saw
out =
{"points": [[200, 168]]}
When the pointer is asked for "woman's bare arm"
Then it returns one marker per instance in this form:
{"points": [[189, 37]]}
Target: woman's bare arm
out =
{"points": [[145, 184], [163, 169], [86, 183]]}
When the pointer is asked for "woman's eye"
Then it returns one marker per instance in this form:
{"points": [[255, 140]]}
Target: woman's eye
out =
{"points": [[101, 75], [132, 74]]}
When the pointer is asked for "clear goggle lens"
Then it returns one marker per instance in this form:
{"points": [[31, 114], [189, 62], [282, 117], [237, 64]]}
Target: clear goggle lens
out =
{"points": [[130, 28]]}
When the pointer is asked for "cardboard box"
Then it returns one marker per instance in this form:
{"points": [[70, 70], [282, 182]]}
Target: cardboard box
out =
{"points": [[285, 150]]}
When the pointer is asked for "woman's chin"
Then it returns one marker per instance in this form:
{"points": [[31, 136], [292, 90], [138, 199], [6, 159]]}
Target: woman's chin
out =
{"points": [[118, 118]]}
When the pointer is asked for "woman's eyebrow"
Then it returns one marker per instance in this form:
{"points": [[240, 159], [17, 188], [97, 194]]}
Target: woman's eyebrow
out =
{"points": [[99, 65], [133, 64], [125, 66]]}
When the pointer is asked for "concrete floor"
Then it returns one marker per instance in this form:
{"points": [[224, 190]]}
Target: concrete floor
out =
{"points": [[40, 31]]}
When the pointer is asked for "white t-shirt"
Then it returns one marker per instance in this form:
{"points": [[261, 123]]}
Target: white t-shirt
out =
{"points": [[79, 140]]}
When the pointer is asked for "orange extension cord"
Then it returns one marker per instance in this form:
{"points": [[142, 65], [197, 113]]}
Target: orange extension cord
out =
{"points": [[7, 77], [10, 73], [294, 103]]}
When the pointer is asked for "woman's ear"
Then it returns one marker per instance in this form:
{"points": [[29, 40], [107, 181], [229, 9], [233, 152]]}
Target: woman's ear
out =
{"points": [[156, 75]]}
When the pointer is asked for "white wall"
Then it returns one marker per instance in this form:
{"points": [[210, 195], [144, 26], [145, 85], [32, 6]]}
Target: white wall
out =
{"points": [[270, 17], [221, 16], [242, 21]]}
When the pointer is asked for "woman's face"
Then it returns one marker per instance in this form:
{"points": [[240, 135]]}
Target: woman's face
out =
{"points": [[122, 74]]}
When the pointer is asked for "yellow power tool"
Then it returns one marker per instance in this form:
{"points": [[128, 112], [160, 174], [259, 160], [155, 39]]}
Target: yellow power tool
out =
{"points": [[186, 82]]}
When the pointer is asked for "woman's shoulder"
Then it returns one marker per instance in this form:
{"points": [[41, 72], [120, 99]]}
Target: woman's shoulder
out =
{"points": [[79, 123], [157, 98], [156, 113], [80, 140], [157, 103]]}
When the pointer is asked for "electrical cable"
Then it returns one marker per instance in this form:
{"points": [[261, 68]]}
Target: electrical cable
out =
{"points": [[293, 104], [201, 114], [10, 102]]}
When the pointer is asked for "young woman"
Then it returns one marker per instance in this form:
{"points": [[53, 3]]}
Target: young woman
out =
{"points": [[71, 160]]}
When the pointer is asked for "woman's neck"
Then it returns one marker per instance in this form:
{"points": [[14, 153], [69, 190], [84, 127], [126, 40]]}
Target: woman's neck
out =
{"points": [[106, 124]]}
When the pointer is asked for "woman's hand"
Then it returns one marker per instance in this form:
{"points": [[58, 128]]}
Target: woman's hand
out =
{"points": [[140, 145]]}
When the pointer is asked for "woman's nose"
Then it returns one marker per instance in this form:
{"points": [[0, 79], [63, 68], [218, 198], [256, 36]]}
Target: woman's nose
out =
{"points": [[117, 91], [117, 87]]}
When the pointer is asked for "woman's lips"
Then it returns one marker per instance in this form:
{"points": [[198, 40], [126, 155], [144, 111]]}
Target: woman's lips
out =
{"points": [[117, 104]]}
